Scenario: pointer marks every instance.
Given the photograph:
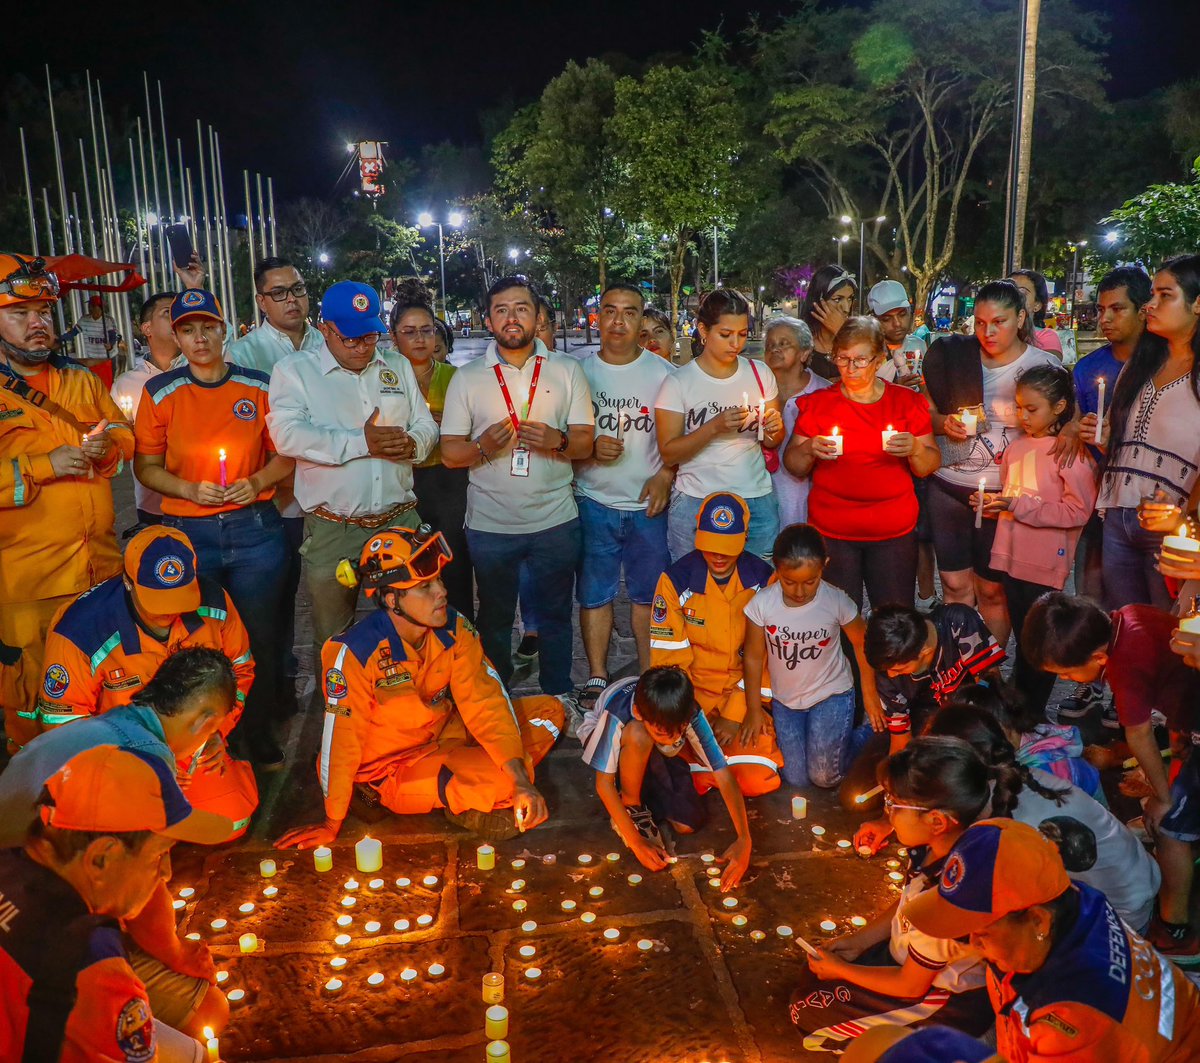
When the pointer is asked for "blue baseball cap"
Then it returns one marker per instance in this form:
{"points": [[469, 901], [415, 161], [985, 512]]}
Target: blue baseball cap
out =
{"points": [[353, 309], [195, 302], [161, 563], [722, 524]]}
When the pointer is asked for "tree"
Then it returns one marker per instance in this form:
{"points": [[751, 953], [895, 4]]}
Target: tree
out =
{"points": [[1033, 14], [560, 156], [1162, 221], [312, 227], [895, 115], [679, 134]]}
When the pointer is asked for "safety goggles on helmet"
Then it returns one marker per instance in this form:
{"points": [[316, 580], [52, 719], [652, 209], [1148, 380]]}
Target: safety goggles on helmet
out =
{"points": [[399, 558], [29, 281]]}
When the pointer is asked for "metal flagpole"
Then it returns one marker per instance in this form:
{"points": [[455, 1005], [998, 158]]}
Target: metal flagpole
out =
{"points": [[162, 128], [138, 216], [87, 197], [114, 228], [249, 229], [262, 216], [217, 222], [208, 259], [184, 206], [191, 201], [58, 306], [65, 214], [220, 172], [33, 236], [146, 208], [102, 202], [271, 211]]}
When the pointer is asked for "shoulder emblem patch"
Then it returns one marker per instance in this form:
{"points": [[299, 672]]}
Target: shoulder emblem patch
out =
{"points": [[388, 377], [336, 687], [245, 410], [658, 611], [135, 1031], [56, 682]]}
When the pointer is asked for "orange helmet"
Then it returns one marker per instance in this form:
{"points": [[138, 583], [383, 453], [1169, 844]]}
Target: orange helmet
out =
{"points": [[25, 279], [397, 557]]}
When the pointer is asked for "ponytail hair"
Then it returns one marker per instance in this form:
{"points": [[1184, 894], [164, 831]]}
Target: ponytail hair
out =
{"points": [[940, 772], [958, 718]]}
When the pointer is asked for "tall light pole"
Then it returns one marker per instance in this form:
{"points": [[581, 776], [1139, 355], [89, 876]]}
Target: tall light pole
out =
{"points": [[862, 252], [454, 219], [1075, 246], [839, 240]]}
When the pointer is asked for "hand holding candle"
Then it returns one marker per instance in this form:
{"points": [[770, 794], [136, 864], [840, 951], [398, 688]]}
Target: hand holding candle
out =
{"points": [[829, 447], [969, 418]]}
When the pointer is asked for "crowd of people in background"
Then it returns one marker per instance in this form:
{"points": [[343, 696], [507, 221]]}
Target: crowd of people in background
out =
{"points": [[858, 563]]}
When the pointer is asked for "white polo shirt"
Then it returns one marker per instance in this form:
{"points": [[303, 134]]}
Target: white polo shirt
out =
{"points": [[497, 501], [318, 410]]}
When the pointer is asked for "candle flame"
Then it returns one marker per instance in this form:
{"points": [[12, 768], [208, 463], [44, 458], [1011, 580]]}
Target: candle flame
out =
{"points": [[221, 453], [208, 1033], [1183, 531], [890, 428], [835, 431]]}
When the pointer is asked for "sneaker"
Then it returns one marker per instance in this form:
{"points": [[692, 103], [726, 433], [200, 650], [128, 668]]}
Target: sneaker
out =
{"points": [[527, 650], [927, 605], [572, 714], [1179, 944], [496, 826], [1082, 700], [1108, 718], [643, 820]]}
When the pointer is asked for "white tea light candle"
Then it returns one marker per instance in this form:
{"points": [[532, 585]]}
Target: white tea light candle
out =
{"points": [[645, 945], [266, 868], [375, 978], [527, 952], [345, 920], [634, 879], [485, 857], [372, 927], [828, 925], [799, 808], [496, 1022], [246, 908], [611, 934], [596, 891], [408, 975], [323, 858], [219, 924], [342, 940], [401, 925], [493, 988], [429, 880], [368, 854], [248, 943], [568, 906], [376, 884], [270, 891], [333, 985], [424, 920], [520, 905], [784, 931], [886, 436], [588, 918], [529, 926]]}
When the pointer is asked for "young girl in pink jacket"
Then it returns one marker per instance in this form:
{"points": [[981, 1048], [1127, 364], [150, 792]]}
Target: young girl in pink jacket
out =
{"points": [[1041, 510]]}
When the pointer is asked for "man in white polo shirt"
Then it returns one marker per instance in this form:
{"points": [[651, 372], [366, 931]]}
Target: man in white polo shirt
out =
{"points": [[353, 418], [517, 418], [623, 489]]}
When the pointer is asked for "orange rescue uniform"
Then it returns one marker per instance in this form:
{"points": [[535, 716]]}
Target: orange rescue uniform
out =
{"points": [[426, 728], [98, 657], [699, 625], [56, 533]]}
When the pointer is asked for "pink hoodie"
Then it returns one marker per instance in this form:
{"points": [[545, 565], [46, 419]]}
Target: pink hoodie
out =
{"points": [[1035, 539]]}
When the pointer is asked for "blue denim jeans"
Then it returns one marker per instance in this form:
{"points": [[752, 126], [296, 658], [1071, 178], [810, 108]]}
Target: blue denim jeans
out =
{"points": [[246, 552], [528, 596], [815, 742], [616, 540], [681, 524], [551, 558], [1129, 572]]}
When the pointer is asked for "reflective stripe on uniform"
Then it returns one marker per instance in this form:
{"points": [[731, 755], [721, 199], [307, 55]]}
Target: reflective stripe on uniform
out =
{"points": [[548, 724], [110, 644], [327, 732], [742, 758], [243, 659], [662, 644], [214, 613], [1166, 1009], [18, 483], [57, 719], [487, 665]]}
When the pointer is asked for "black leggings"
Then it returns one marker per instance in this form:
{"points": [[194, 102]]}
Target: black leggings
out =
{"points": [[887, 568], [1034, 684]]}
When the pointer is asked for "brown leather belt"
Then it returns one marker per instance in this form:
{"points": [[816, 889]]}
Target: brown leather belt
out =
{"points": [[371, 520]]}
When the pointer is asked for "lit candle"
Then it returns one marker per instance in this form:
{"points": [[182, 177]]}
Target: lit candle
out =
{"points": [[611, 934], [568, 906], [707, 858], [762, 413], [375, 978], [351, 883], [212, 1044], [349, 902], [740, 921], [223, 467], [1180, 543], [893, 863], [219, 924], [596, 891], [429, 880], [497, 1051], [799, 808], [193, 936], [533, 974], [126, 404], [828, 925], [585, 858], [373, 926], [493, 988], [645, 945], [818, 831], [1100, 385], [403, 883], [784, 931], [345, 920], [333, 985], [401, 925], [236, 996], [730, 902], [862, 799], [634, 879], [323, 858], [1190, 625], [376, 884], [222, 977], [527, 952], [757, 935], [407, 976], [341, 940], [839, 444], [496, 1022], [887, 434], [746, 402], [424, 920], [970, 421], [246, 908], [520, 905], [612, 858], [979, 504], [338, 962], [187, 892], [266, 868], [588, 918], [843, 843], [895, 876], [517, 864], [485, 857], [518, 884], [713, 872], [865, 852], [529, 926], [368, 854], [270, 891], [179, 905], [857, 921]]}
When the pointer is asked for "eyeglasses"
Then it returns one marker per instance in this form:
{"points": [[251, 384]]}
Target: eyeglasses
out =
{"points": [[890, 805], [841, 361], [280, 295], [368, 339], [426, 333]]}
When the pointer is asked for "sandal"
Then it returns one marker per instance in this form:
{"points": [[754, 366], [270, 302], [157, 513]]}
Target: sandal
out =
{"points": [[591, 691]]}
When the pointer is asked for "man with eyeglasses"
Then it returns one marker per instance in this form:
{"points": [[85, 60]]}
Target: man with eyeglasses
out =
{"points": [[62, 439], [353, 417], [282, 299]]}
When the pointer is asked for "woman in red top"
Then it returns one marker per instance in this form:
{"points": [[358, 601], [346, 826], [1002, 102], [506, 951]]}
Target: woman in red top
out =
{"points": [[863, 441], [202, 443]]}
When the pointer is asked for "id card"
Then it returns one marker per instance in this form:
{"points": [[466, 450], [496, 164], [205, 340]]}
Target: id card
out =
{"points": [[519, 466]]}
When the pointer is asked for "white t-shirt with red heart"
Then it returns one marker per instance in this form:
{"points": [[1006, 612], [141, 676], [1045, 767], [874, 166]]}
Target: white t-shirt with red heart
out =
{"points": [[805, 661]]}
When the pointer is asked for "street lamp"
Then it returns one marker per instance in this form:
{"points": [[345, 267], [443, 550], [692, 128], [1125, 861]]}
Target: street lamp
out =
{"points": [[839, 240], [1075, 275], [862, 252], [454, 219]]}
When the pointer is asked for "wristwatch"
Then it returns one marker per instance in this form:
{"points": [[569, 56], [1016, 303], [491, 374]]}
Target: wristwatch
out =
{"points": [[561, 448]]}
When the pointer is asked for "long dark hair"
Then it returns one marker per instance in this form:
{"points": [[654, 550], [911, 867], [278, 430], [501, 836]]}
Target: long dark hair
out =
{"points": [[825, 280], [939, 771], [1041, 292], [1150, 355], [1005, 293], [719, 302], [959, 718], [1055, 383]]}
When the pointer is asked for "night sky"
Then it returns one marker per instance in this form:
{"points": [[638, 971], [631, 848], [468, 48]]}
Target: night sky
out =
{"points": [[288, 83]]}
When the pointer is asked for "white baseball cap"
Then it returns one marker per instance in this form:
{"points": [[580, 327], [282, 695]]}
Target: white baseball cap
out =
{"points": [[887, 296]]}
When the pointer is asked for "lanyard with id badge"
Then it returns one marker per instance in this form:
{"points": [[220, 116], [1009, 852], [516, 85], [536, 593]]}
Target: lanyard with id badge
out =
{"points": [[519, 463]]}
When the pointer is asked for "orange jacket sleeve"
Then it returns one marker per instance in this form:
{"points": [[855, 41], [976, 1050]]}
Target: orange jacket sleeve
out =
{"points": [[235, 644], [111, 1021], [349, 705], [669, 642], [21, 477], [481, 699], [71, 688]]}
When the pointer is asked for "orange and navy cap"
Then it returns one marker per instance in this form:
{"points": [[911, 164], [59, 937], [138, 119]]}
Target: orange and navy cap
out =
{"points": [[997, 867], [109, 790], [195, 302], [722, 524], [161, 564]]}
